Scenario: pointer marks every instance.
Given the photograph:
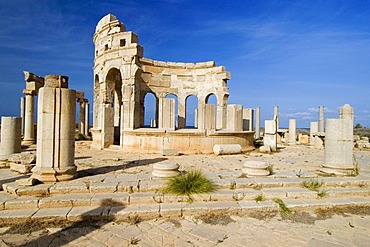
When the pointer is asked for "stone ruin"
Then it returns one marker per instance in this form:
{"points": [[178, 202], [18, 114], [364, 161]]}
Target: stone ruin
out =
{"points": [[123, 78]]}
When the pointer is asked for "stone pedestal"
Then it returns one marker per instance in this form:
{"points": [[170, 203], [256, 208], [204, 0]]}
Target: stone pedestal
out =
{"points": [[234, 117], [221, 149], [11, 128], [167, 114], [339, 147], [270, 137], [56, 131], [256, 168], [165, 169], [292, 132]]}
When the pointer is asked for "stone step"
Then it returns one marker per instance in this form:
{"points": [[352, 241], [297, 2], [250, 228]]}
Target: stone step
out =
{"points": [[137, 213], [10, 202]]}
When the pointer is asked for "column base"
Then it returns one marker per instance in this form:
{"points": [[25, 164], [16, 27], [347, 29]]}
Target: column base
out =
{"points": [[338, 171], [49, 175]]}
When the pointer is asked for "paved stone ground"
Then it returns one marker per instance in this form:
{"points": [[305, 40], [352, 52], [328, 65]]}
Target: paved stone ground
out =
{"points": [[336, 230], [310, 228]]}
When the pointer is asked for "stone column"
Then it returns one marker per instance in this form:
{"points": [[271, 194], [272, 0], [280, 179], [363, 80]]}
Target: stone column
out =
{"points": [[248, 115], [22, 106], [11, 128], [276, 114], [87, 119], [234, 117], [167, 114], [339, 147], [292, 132], [321, 119], [210, 117], [56, 131], [258, 122], [182, 112], [314, 128], [29, 125], [81, 121], [346, 112]]}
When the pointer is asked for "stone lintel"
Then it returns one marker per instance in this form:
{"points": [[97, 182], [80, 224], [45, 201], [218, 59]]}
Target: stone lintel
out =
{"points": [[56, 81]]}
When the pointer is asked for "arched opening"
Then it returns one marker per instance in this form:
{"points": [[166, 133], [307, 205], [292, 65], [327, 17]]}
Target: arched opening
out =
{"points": [[114, 99], [172, 96], [150, 110], [211, 99], [191, 109]]}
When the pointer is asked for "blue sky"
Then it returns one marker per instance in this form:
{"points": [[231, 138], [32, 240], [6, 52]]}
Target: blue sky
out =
{"points": [[294, 54]]}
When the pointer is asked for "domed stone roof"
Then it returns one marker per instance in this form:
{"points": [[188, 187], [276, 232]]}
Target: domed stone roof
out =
{"points": [[109, 18]]}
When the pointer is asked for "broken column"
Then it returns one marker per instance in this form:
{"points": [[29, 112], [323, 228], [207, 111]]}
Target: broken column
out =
{"points": [[314, 128], [56, 131], [339, 144], [248, 115], [33, 84], [292, 131], [321, 119], [221, 149], [258, 123], [270, 137], [276, 114], [11, 128]]}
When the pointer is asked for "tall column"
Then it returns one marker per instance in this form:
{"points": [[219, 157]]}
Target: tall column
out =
{"points": [[258, 122], [10, 135], [56, 131], [181, 112], [87, 119], [321, 119], [29, 125], [22, 108], [292, 131], [276, 114]]}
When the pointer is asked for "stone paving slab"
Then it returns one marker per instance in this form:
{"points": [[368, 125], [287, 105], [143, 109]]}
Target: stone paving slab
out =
{"points": [[51, 214]]}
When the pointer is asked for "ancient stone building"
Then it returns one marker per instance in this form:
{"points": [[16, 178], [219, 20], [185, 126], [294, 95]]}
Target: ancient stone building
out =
{"points": [[123, 78]]}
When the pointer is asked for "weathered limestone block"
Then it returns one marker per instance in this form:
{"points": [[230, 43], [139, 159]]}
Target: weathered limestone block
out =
{"points": [[22, 162], [165, 169], [303, 139], [265, 149], [11, 130], [221, 149], [270, 138], [248, 116], [234, 117], [256, 168], [167, 114], [56, 131], [314, 128], [258, 123], [170, 152]]}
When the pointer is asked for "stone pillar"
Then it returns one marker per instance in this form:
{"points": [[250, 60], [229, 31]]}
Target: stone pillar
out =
{"points": [[196, 118], [321, 119], [81, 121], [210, 117], [56, 131], [314, 128], [270, 138], [258, 122], [276, 114], [292, 131], [182, 112], [87, 119], [234, 117], [11, 128], [346, 112], [167, 114], [339, 147], [248, 116], [22, 108], [29, 125]]}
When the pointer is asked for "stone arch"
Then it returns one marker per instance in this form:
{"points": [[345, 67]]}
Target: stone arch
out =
{"points": [[150, 104], [191, 107], [113, 98]]}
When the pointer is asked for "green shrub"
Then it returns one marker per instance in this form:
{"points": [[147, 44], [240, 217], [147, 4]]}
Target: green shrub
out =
{"points": [[193, 182]]}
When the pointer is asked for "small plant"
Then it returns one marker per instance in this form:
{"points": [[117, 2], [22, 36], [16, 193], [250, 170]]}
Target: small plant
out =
{"points": [[312, 184], [322, 193], [134, 220], [270, 168], [362, 184], [283, 207], [134, 241], [260, 198], [158, 196], [232, 185], [299, 173], [193, 182]]}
